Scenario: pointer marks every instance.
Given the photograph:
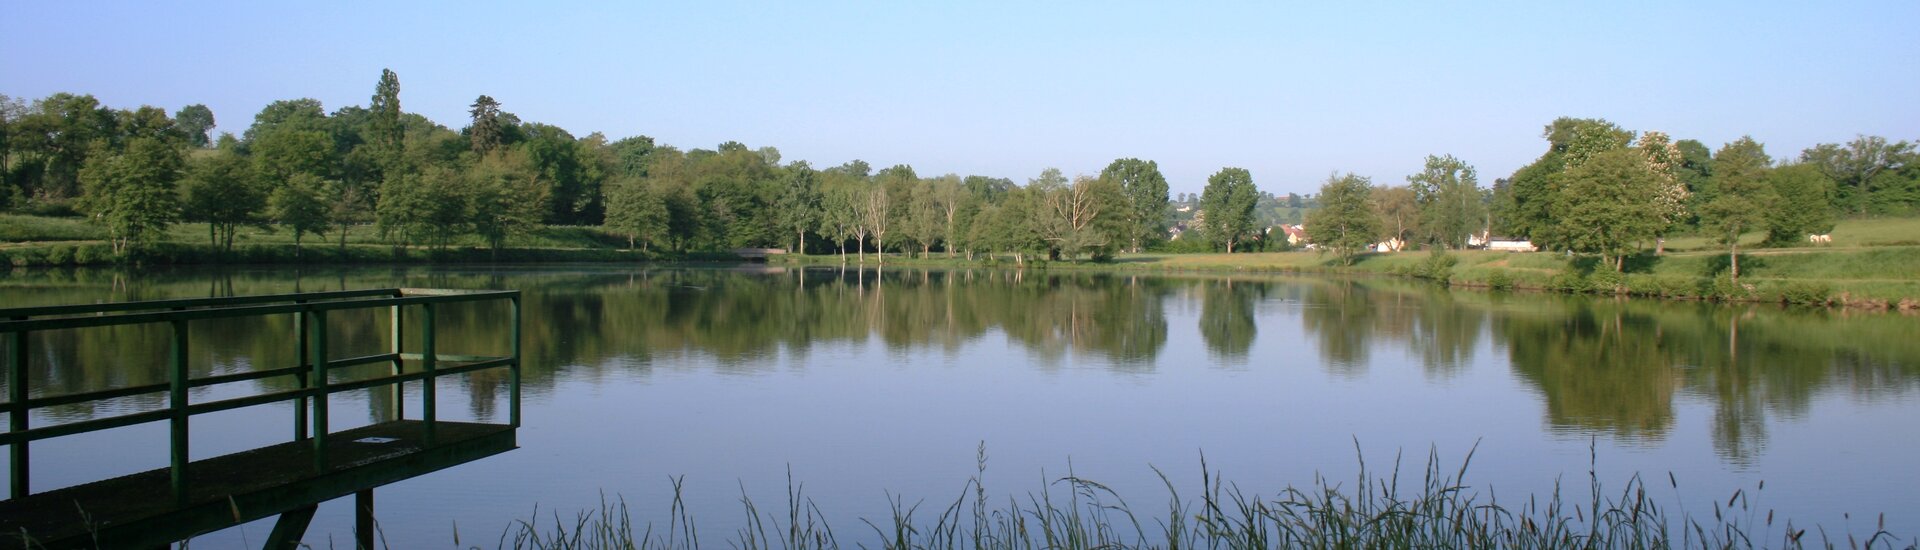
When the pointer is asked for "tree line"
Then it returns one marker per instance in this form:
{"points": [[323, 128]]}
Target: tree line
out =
{"points": [[299, 168], [1603, 190], [1598, 189]]}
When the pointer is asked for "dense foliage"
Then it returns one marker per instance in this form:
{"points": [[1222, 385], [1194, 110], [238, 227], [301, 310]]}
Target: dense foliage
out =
{"points": [[1597, 189]]}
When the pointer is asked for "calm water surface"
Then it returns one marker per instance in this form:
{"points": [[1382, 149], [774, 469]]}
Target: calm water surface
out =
{"points": [[865, 384]]}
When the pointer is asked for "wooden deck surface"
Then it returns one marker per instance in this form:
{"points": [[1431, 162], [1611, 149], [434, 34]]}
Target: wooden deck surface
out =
{"points": [[138, 510]]}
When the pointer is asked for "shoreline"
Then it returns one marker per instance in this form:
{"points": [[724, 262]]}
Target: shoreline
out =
{"points": [[1891, 280], [1496, 271]]}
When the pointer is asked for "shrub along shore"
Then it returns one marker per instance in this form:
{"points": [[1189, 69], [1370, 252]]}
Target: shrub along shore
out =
{"points": [[1875, 268]]}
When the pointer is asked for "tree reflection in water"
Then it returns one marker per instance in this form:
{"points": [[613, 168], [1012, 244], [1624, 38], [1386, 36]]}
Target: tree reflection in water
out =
{"points": [[1602, 366]]}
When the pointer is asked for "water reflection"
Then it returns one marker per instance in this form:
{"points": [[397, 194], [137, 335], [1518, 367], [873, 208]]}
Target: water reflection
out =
{"points": [[1607, 367], [1226, 316]]}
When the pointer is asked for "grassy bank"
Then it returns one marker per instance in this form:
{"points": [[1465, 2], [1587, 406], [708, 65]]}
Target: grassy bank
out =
{"points": [[39, 241], [1883, 277], [1439, 510], [1871, 264]]}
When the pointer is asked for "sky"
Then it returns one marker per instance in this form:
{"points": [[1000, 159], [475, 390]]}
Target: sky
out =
{"points": [[1293, 92]]}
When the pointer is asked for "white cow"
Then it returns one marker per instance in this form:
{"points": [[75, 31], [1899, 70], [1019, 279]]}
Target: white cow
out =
{"points": [[1820, 239]]}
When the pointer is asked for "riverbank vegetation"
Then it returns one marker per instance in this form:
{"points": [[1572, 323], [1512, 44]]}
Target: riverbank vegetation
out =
{"points": [[89, 184], [1373, 510]]}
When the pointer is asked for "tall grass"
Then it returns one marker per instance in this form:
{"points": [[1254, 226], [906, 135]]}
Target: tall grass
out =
{"points": [[1440, 510]]}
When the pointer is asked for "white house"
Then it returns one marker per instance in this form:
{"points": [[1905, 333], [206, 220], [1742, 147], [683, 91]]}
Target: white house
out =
{"points": [[1511, 246], [1389, 245]]}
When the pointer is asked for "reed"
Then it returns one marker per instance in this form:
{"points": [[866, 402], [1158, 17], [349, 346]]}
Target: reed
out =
{"points": [[1440, 510]]}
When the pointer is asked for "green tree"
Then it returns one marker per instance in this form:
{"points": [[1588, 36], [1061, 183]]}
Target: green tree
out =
{"points": [[221, 190], [430, 207], [1228, 201], [921, 216], [949, 196], [1051, 181], [148, 122], [1804, 207], [987, 189], [1580, 139], [196, 123], [1526, 209], [507, 197], [1399, 212], [1450, 201], [132, 192], [1345, 222], [296, 114], [1864, 170], [1146, 197], [297, 205], [573, 196], [11, 110], [56, 136], [632, 155], [1085, 216], [881, 208], [1666, 162], [798, 206], [351, 198], [279, 153], [1608, 207], [485, 132], [636, 211], [840, 199], [385, 130], [1741, 196], [1010, 225]]}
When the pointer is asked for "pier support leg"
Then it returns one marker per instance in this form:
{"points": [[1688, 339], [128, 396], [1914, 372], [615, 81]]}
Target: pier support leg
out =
{"points": [[291, 526], [363, 519]]}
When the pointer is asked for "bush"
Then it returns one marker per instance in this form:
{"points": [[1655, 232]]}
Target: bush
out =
{"points": [[58, 254], [92, 254], [1606, 282], [1804, 293], [1722, 289], [1645, 286], [23, 257], [1500, 280], [1568, 282], [1437, 267], [51, 208]]}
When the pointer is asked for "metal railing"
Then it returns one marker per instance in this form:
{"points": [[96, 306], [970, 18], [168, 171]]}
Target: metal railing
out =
{"points": [[310, 311]]}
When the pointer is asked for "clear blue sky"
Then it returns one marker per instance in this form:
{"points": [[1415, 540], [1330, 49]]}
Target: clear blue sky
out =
{"points": [[1291, 92]]}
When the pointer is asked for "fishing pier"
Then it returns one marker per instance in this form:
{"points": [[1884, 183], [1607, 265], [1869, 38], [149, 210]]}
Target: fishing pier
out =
{"points": [[155, 508]]}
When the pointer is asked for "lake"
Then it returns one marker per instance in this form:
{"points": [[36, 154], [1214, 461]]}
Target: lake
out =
{"points": [[866, 385]]}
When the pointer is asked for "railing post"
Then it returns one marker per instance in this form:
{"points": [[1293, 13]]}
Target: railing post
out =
{"points": [[300, 374], [399, 367], [513, 370], [17, 419], [317, 323], [177, 401], [427, 363]]}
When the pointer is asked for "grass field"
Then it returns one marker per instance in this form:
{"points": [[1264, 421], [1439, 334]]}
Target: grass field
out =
{"points": [[1846, 234]]}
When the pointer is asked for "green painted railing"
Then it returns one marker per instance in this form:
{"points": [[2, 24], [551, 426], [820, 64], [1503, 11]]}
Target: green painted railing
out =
{"points": [[309, 311]]}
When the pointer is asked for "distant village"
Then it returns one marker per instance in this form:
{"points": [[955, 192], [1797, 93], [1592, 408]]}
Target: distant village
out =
{"points": [[1284, 220]]}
